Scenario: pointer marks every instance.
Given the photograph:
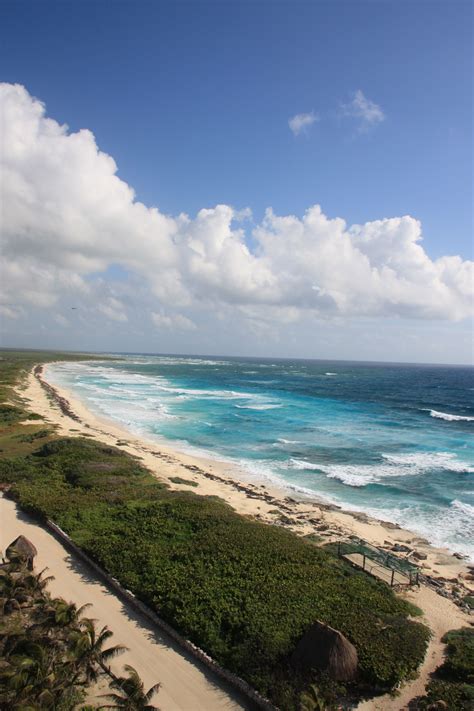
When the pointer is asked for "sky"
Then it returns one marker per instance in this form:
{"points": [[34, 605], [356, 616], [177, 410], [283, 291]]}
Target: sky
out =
{"points": [[264, 178]]}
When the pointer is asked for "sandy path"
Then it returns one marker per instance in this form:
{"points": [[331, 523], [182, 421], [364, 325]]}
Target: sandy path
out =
{"points": [[185, 685], [441, 616]]}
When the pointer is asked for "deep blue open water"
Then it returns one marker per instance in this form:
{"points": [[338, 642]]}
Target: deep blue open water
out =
{"points": [[395, 441]]}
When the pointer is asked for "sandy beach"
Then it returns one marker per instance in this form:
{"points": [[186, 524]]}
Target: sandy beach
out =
{"points": [[213, 478], [455, 578]]}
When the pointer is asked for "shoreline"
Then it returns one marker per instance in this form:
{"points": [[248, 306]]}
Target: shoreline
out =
{"points": [[265, 502]]}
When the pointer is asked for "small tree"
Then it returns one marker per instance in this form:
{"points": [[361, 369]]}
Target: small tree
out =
{"points": [[87, 651], [132, 695]]}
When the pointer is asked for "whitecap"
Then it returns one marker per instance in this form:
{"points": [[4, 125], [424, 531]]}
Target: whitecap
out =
{"points": [[424, 461], [395, 465], [263, 406], [449, 417], [302, 464]]}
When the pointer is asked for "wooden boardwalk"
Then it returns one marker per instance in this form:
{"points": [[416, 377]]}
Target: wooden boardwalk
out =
{"points": [[382, 572]]}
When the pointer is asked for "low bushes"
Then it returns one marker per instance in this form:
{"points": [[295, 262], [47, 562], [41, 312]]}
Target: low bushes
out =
{"points": [[243, 591], [453, 682]]}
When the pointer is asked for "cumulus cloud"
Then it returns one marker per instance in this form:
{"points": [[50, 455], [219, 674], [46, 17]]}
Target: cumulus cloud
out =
{"points": [[300, 123], [113, 309], [67, 217], [366, 112]]}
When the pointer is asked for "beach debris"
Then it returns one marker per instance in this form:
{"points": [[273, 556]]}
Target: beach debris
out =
{"points": [[400, 548], [391, 526], [326, 649]]}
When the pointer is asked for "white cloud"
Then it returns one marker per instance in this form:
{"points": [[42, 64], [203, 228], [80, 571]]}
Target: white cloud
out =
{"points": [[113, 309], [62, 320], [9, 311], [300, 123], [366, 112], [67, 216], [164, 320]]}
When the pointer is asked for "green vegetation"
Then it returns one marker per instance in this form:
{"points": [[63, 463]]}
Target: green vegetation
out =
{"points": [[469, 601], [243, 591], [50, 653], [131, 692], [454, 679], [459, 662], [16, 437], [180, 480]]}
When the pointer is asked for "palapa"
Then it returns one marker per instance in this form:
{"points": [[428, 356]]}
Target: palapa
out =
{"points": [[325, 649], [21, 549]]}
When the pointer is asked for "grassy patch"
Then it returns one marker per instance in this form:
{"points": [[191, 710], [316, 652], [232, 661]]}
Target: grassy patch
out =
{"points": [[313, 538], [469, 600], [180, 480]]}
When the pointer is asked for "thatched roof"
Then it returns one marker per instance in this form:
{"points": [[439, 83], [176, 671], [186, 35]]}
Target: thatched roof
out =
{"points": [[21, 548], [326, 649]]}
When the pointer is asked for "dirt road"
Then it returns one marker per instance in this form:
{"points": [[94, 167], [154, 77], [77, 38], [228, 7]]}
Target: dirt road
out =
{"points": [[185, 685]]}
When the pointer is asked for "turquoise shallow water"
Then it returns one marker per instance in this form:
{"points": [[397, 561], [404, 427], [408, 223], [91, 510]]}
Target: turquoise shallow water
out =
{"points": [[395, 441]]}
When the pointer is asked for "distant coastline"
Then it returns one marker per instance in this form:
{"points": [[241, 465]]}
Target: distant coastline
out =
{"points": [[389, 442], [267, 503]]}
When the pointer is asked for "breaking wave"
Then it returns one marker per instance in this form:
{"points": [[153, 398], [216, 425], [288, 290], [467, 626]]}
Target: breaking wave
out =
{"points": [[450, 418]]}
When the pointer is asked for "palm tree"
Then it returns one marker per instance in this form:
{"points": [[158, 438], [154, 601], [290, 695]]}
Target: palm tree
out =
{"points": [[36, 583], [13, 592], [31, 672], [68, 614], [132, 695], [87, 651], [311, 700]]}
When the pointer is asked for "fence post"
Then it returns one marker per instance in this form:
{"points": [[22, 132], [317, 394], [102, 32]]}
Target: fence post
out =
{"points": [[393, 576]]}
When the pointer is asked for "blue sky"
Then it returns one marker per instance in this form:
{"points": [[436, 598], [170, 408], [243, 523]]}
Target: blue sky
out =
{"points": [[193, 100]]}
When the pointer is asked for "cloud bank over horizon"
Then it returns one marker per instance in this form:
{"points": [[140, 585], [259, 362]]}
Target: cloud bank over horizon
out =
{"points": [[69, 221]]}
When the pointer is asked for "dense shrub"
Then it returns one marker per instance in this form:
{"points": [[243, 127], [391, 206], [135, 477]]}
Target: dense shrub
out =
{"points": [[456, 695], [242, 590], [459, 664]]}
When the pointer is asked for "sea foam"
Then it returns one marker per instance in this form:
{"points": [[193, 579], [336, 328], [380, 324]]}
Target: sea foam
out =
{"points": [[450, 418]]}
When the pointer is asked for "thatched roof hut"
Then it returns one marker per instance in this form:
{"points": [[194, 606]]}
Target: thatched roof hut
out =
{"points": [[21, 549], [325, 649]]}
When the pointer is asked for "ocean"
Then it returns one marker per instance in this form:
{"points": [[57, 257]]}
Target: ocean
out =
{"points": [[393, 441]]}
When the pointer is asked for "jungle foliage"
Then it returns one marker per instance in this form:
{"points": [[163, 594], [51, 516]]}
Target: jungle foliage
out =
{"points": [[50, 653]]}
